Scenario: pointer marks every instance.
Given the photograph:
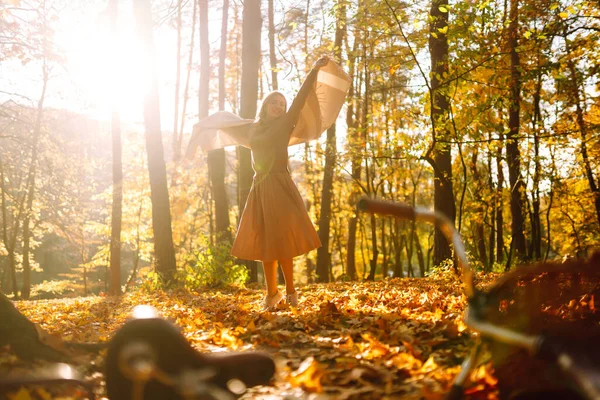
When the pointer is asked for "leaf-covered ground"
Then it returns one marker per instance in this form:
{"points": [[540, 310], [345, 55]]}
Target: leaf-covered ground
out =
{"points": [[399, 338]]}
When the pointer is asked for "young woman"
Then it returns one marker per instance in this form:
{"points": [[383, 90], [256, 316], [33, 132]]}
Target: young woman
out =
{"points": [[275, 226]]}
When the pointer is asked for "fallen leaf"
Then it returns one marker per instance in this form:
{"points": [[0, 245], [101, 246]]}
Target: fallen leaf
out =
{"points": [[308, 375]]}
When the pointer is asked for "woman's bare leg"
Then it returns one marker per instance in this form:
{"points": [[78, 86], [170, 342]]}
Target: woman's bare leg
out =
{"points": [[287, 266], [270, 270]]}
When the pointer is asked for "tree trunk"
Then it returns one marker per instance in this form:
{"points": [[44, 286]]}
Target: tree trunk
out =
{"points": [[499, 206], [223, 54], [272, 51], [409, 249], [550, 201], [384, 249], [176, 137], [410, 246], [10, 246], [440, 111], [251, 33], [479, 210], [492, 208], [536, 224], [352, 130], [117, 207], [398, 247], [204, 82], [373, 263], [216, 169], [351, 246], [324, 252], [594, 187], [216, 158], [356, 176], [513, 154], [340, 248], [159, 192], [309, 165], [363, 247], [138, 242], [420, 257], [179, 137], [26, 288], [5, 270], [117, 172]]}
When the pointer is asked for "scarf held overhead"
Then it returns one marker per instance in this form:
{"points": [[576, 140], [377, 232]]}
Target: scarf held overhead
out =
{"points": [[318, 113]]}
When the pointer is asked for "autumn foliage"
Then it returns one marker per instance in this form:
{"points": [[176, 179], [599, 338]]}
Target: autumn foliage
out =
{"points": [[487, 111], [395, 338], [350, 340]]}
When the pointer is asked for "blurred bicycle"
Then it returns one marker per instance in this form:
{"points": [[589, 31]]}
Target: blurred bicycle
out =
{"points": [[148, 358], [539, 322]]}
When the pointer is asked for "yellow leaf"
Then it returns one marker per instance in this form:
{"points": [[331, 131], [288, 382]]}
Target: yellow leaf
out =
{"points": [[251, 326], [308, 375], [43, 394], [461, 327], [443, 9], [564, 15], [482, 374], [527, 34], [375, 350], [22, 394], [443, 30], [406, 361], [429, 365]]}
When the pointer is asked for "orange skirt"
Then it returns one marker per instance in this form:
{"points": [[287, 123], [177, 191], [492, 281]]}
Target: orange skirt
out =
{"points": [[275, 224]]}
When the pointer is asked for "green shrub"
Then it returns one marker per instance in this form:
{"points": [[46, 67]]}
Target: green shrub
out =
{"points": [[498, 268], [152, 281], [212, 266], [55, 289], [446, 267]]}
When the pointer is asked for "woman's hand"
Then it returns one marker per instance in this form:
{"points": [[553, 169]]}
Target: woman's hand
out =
{"points": [[321, 62]]}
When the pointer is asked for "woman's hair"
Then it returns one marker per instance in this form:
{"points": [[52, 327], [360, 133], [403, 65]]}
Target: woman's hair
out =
{"points": [[262, 113]]}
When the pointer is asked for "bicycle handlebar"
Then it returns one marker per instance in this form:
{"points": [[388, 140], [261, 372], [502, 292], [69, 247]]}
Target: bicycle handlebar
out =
{"points": [[58, 373], [574, 360], [407, 212]]}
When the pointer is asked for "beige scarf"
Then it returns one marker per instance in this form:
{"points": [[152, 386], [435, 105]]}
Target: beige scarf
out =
{"points": [[319, 112]]}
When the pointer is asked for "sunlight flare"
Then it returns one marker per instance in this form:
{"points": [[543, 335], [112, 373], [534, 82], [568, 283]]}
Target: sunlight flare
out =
{"points": [[106, 67]]}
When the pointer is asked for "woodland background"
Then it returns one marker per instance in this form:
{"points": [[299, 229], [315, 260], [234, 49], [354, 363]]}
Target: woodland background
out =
{"points": [[484, 110]]}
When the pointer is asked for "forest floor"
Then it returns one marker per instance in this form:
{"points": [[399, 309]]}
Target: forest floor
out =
{"points": [[397, 338]]}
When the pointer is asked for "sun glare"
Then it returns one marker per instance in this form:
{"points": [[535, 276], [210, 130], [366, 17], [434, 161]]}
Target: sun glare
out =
{"points": [[106, 70]]}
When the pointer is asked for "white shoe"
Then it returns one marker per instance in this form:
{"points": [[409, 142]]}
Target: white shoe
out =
{"points": [[292, 299], [271, 301]]}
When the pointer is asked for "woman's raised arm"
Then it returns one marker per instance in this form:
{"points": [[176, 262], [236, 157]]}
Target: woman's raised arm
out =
{"points": [[296, 107]]}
